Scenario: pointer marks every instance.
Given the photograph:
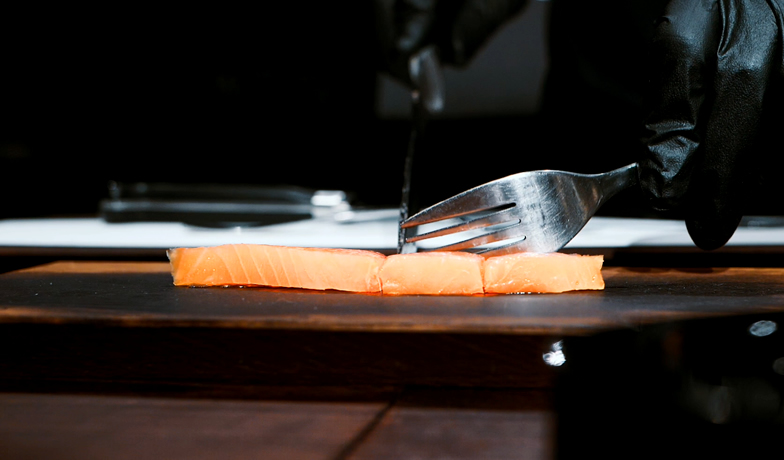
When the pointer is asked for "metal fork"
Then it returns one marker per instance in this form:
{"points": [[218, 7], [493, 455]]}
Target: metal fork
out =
{"points": [[539, 211]]}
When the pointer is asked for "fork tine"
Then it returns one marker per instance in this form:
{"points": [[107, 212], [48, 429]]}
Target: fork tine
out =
{"points": [[498, 217], [482, 197], [515, 246], [512, 231]]}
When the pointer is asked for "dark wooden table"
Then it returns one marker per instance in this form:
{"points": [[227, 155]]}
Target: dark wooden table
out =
{"points": [[109, 360]]}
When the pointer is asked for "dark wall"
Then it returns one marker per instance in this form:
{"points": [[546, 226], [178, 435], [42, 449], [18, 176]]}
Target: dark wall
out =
{"points": [[266, 95], [275, 95]]}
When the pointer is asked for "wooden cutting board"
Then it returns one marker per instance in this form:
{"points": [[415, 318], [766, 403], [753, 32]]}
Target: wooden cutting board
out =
{"points": [[126, 321]]}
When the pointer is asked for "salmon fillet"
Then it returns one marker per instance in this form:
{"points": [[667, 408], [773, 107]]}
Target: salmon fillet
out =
{"points": [[424, 273], [432, 273], [279, 266], [541, 273]]}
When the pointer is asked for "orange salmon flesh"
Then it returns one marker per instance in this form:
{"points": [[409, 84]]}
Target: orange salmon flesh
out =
{"points": [[432, 273], [278, 266], [424, 273], [530, 272]]}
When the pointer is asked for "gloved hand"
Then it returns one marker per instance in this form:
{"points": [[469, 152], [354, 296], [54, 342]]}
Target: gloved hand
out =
{"points": [[717, 88], [457, 29]]}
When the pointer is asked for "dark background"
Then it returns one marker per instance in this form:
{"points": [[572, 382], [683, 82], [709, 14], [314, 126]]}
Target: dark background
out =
{"points": [[284, 95]]}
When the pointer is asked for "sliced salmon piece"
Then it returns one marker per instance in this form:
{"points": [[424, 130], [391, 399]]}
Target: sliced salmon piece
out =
{"points": [[428, 273], [530, 272], [279, 266], [432, 273]]}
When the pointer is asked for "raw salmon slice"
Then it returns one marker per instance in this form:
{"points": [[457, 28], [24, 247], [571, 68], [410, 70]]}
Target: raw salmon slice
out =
{"points": [[279, 266], [555, 272], [432, 273]]}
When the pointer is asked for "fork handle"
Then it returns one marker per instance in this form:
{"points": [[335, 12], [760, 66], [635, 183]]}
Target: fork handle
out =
{"points": [[614, 181]]}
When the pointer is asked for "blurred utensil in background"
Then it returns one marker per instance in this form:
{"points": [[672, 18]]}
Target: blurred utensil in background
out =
{"points": [[223, 205]]}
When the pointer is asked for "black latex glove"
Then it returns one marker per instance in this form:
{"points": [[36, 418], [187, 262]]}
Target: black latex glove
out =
{"points": [[718, 71], [457, 29]]}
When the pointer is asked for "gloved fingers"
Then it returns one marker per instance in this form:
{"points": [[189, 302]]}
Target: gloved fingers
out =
{"points": [[682, 59], [777, 9], [456, 28], [474, 23], [746, 62], [415, 21], [403, 28]]}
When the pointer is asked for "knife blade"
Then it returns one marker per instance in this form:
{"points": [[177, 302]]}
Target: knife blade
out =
{"points": [[427, 98]]}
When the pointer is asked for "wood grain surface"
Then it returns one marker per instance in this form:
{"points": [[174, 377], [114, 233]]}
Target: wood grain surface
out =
{"points": [[464, 424], [290, 423], [123, 427]]}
